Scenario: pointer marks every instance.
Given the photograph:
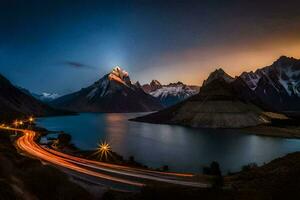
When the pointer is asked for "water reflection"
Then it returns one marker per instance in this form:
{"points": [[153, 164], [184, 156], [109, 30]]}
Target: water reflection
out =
{"points": [[115, 130], [183, 149]]}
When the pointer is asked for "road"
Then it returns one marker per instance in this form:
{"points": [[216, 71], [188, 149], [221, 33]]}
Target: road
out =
{"points": [[110, 175]]}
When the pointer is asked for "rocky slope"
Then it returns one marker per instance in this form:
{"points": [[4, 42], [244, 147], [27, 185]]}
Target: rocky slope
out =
{"points": [[114, 92]]}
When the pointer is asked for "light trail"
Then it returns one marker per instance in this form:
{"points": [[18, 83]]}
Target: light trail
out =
{"points": [[111, 173]]}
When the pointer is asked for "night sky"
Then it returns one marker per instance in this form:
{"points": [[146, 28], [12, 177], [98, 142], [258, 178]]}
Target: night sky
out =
{"points": [[62, 46]]}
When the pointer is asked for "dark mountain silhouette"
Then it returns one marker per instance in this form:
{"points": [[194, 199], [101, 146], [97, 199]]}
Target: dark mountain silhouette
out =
{"points": [[152, 86], [15, 103]]}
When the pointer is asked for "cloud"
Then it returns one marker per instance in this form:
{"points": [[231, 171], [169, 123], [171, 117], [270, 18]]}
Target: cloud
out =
{"points": [[77, 65]]}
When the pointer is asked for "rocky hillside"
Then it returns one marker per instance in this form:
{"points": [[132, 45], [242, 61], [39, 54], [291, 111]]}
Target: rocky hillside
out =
{"points": [[15, 103]]}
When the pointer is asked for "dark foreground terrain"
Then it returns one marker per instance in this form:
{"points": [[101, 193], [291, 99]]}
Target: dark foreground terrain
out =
{"points": [[25, 178], [279, 179]]}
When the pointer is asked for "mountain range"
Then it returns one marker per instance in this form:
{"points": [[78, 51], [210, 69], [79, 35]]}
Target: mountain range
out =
{"points": [[227, 102], [277, 86], [274, 88], [44, 97], [217, 105], [170, 94], [16, 103], [114, 92]]}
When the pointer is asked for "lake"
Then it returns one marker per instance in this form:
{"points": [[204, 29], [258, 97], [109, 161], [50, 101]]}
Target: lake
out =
{"points": [[182, 149]]}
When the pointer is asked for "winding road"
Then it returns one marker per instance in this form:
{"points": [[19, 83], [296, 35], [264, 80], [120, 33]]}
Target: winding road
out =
{"points": [[110, 175]]}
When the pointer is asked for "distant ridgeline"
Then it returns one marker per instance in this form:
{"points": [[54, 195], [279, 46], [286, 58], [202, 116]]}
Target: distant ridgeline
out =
{"points": [[114, 92], [15, 103], [170, 94], [275, 88], [226, 102]]}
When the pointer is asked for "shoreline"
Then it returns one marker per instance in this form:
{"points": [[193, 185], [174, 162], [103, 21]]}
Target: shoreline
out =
{"points": [[263, 130], [116, 158], [275, 129], [242, 179], [115, 175]]}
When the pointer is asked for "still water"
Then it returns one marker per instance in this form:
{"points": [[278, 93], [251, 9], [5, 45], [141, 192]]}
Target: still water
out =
{"points": [[181, 148]]}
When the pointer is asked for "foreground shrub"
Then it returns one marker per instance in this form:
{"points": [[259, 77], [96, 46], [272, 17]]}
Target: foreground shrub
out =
{"points": [[214, 170], [248, 167]]}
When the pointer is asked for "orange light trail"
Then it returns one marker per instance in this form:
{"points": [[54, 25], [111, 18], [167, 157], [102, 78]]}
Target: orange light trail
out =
{"points": [[116, 174]]}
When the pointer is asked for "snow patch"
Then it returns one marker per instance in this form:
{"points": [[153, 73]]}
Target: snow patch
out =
{"points": [[176, 91]]}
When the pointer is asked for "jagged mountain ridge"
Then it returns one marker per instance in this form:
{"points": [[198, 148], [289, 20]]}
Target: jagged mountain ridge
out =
{"points": [[278, 85], [275, 88], [218, 73], [114, 92], [44, 97], [242, 100], [152, 86], [170, 94], [217, 105]]}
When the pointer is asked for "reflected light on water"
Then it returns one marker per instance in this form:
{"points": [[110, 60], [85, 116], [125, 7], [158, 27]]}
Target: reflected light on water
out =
{"points": [[116, 129]]}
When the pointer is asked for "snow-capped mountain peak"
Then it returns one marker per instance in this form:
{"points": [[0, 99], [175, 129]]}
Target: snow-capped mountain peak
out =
{"points": [[284, 73], [110, 83], [48, 96], [114, 92], [119, 75], [182, 91], [170, 94], [251, 79]]}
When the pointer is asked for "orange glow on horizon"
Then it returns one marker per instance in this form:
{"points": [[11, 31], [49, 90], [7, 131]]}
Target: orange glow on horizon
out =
{"points": [[193, 66]]}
